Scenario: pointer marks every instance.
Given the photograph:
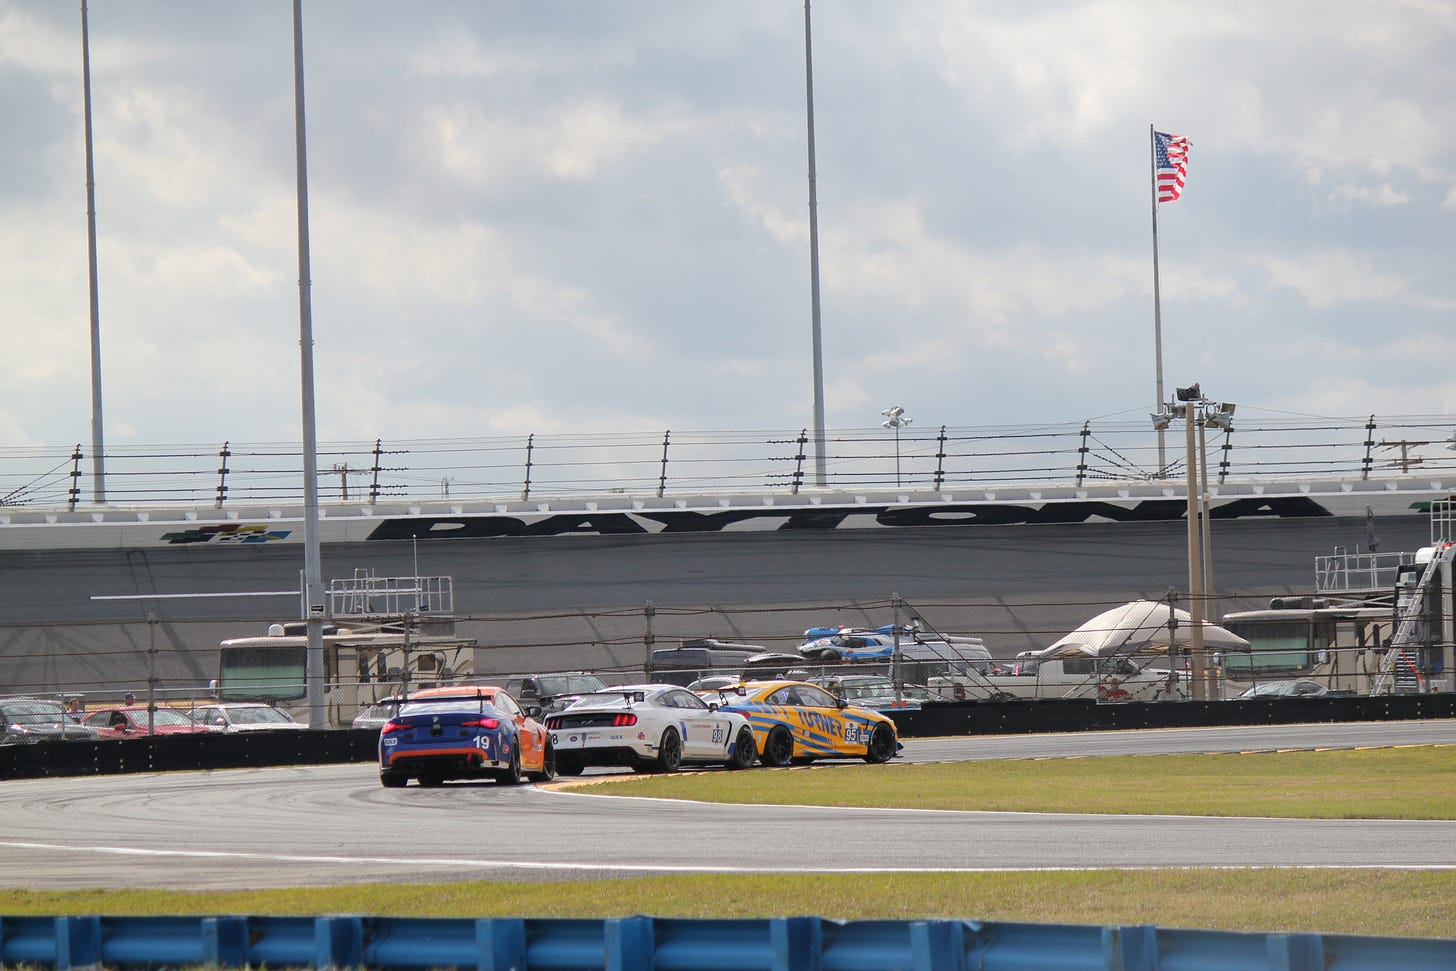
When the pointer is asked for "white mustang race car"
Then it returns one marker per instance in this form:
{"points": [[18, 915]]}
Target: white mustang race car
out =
{"points": [[649, 728]]}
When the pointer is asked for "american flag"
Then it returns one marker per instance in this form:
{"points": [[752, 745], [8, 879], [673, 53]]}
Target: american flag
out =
{"points": [[1172, 164]]}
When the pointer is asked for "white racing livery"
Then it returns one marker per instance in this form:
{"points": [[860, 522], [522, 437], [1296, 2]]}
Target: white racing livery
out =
{"points": [[648, 728]]}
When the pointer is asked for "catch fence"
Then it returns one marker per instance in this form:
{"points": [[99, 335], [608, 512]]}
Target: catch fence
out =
{"points": [[696, 462], [174, 661]]}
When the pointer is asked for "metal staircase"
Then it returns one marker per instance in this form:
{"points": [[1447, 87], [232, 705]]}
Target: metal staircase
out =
{"points": [[1400, 668]]}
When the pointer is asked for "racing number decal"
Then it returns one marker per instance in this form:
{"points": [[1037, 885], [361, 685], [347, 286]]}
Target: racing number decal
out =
{"points": [[851, 733], [717, 733]]}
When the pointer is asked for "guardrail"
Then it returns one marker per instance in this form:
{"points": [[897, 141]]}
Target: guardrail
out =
{"points": [[665, 944], [1104, 450]]}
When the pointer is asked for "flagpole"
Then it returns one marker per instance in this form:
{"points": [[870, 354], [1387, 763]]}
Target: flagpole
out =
{"points": [[1157, 304]]}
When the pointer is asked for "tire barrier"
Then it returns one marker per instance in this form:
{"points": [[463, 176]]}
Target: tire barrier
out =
{"points": [[166, 753], [936, 718], [646, 943], [169, 753]]}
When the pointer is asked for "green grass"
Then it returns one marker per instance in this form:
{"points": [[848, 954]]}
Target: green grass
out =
{"points": [[1396, 783], [1411, 783]]}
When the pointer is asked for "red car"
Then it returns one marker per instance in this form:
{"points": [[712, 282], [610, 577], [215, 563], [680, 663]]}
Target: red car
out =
{"points": [[124, 722]]}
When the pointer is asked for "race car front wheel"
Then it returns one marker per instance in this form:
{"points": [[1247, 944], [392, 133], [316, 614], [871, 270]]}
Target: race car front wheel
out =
{"points": [[548, 765], [882, 744]]}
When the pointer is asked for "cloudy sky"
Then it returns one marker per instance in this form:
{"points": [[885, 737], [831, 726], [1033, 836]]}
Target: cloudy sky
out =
{"points": [[560, 217]]}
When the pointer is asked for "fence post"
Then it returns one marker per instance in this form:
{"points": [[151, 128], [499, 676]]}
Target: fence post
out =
{"points": [[662, 481], [222, 474], [799, 460], [1172, 597], [940, 460], [152, 621], [374, 482], [1082, 454], [75, 492], [1369, 444], [1224, 463], [648, 612], [530, 446]]}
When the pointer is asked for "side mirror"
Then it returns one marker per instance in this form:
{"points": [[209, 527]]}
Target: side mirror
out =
{"points": [[534, 711], [712, 706]]}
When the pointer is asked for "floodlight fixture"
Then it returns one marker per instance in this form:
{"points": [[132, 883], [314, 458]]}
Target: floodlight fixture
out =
{"points": [[1190, 393]]}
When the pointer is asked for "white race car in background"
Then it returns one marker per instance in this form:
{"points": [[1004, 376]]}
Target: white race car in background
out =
{"points": [[648, 728]]}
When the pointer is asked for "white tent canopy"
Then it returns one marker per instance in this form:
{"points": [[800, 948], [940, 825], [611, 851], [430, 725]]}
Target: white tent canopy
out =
{"points": [[1141, 627]]}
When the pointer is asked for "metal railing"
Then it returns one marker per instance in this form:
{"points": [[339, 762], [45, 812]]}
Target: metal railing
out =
{"points": [[684, 463]]}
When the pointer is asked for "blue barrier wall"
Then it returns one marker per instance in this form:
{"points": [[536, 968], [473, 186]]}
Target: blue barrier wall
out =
{"points": [[659, 944]]}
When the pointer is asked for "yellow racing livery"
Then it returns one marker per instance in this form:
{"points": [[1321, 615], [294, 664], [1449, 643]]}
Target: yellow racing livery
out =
{"points": [[797, 721]]}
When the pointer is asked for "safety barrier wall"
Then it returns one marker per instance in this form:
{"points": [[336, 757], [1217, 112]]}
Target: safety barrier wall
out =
{"points": [[166, 753], [660, 944], [163, 753], [1076, 715]]}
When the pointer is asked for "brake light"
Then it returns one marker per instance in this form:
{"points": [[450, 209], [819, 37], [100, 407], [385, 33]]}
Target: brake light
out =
{"points": [[491, 723], [553, 723], [625, 719], [392, 726]]}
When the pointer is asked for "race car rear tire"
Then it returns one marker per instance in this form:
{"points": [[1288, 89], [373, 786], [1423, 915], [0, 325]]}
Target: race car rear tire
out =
{"points": [[569, 765], [881, 747], [548, 766], [669, 753], [511, 775], [745, 752], [778, 748], [393, 780]]}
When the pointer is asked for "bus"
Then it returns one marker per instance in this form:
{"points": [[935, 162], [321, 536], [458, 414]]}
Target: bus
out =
{"points": [[360, 667]]}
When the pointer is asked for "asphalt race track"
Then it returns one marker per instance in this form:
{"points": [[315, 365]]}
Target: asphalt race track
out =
{"points": [[329, 825]]}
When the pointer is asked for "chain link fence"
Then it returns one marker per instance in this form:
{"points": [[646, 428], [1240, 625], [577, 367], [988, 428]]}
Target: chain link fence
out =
{"points": [[176, 661]]}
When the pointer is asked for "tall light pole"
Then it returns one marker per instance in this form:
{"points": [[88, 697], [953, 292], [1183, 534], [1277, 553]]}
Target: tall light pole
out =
{"points": [[895, 418], [821, 477], [313, 584], [98, 450], [1190, 398], [1197, 411]]}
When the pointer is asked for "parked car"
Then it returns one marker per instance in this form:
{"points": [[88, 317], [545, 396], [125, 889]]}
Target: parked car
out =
{"points": [[552, 691], [463, 732], [121, 722], [376, 715], [798, 721], [246, 716], [1293, 688], [875, 691], [648, 727], [24, 721], [715, 681]]}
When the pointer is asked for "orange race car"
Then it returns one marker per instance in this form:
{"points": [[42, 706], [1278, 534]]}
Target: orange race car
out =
{"points": [[463, 732]]}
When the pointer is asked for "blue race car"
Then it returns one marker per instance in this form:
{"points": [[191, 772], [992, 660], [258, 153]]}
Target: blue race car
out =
{"points": [[465, 732]]}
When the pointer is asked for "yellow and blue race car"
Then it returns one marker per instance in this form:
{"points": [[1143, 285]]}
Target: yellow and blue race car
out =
{"points": [[797, 721]]}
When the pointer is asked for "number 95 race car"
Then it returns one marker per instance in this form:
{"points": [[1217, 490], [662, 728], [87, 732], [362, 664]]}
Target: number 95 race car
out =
{"points": [[649, 728], [797, 721]]}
